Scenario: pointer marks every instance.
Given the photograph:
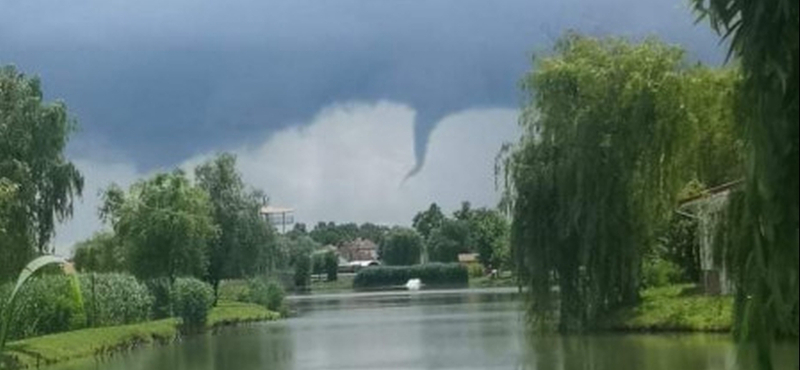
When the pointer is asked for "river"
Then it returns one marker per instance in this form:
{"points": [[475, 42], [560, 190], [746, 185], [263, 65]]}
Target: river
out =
{"points": [[466, 329]]}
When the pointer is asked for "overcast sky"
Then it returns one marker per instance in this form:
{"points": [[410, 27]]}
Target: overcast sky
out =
{"points": [[329, 104]]}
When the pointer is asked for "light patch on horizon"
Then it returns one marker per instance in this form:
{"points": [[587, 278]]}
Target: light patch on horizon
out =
{"points": [[348, 165]]}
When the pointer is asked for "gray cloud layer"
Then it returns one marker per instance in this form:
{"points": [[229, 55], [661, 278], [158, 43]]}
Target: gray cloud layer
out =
{"points": [[156, 82]]}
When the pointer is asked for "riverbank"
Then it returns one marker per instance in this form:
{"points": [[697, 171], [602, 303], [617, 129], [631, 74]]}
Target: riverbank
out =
{"points": [[344, 284], [677, 308], [102, 342]]}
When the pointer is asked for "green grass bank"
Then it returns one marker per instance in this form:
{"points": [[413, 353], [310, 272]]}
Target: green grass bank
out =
{"points": [[101, 342], [676, 308]]}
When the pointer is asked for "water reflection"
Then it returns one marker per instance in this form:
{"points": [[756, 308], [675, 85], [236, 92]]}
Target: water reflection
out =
{"points": [[426, 330]]}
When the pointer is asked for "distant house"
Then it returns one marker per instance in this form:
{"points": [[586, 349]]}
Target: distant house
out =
{"points": [[359, 250], [707, 209], [467, 259]]}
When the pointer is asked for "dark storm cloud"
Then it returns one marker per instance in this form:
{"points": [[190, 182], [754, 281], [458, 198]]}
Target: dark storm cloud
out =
{"points": [[158, 81]]}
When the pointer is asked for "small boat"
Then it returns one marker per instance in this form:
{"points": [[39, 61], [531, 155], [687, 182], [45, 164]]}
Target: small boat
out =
{"points": [[414, 284]]}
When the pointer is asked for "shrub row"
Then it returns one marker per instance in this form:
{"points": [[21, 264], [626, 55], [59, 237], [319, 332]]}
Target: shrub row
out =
{"points": [[431, 275], [46, 304], [114, 299], [56, 303], [265, 293]]}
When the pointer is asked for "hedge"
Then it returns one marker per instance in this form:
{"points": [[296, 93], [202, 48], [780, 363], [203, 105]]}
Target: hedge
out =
{"points": [[114, 299], [45, 304], [431, 275]]}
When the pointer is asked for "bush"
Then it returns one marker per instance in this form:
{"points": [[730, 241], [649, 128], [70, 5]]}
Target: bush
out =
{"points": [[401, 247], [326, 262], [46, 304], [114, 299], [161, 292], [476, 270], [191, 301], [431, 275], [268, 294], [658, 272], [302, 270]]}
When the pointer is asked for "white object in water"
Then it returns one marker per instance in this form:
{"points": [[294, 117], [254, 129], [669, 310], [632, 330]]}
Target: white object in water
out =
{"points": [[414, 284]]}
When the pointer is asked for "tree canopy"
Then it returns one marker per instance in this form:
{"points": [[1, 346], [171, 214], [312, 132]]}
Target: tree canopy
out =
{"points": [[606, 147], [244, 241], [165, 224], [402, 247], [763, 38], [424, 222], [33, 137]]}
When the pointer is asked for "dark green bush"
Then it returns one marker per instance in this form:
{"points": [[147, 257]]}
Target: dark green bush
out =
{"points": [[268, 294], [326, 262], [46, 304], [302, 271], [161, 291], [431, 275], [659, 272], [114, 299], [191, 301]]}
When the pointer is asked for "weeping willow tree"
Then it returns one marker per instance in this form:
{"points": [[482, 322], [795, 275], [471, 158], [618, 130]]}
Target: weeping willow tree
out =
{"points": [[595, 175], [763, 245]]}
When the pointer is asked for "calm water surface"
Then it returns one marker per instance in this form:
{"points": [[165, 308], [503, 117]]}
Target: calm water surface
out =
{"points": [[424, 330]]}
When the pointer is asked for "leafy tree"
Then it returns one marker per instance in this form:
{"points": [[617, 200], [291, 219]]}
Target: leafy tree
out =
{"points": [[401, 247], [490, 233], [465, 213], [327, 234], [373, 232], [100, 253], [165, 224], [298, 230], [763, 252], [244, 242], [300, 251], [425, 222], [325, 262], [33, 136], [448, 240], [594, 178]]}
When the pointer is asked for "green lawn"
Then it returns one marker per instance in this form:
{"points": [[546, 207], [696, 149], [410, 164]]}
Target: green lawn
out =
{"points": [[102, 341], [343, 284], [674, 308], [503, 281]]}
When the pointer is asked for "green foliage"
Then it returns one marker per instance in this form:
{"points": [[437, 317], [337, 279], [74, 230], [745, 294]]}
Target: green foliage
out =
{"points": [[674, 308], [33, 135], [332, 234], [244, 244], [764, 38], [594, 179], [683, 247], [325, 262], [267, 294], [46, 304], [448, 240], [164, 223], [300, 251], [402, 247], [476, 270], [100, 253], [192, 300], [114, 299], [431, 275], [490, 234], [160, 290], [658, 272], [425, 222]]}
